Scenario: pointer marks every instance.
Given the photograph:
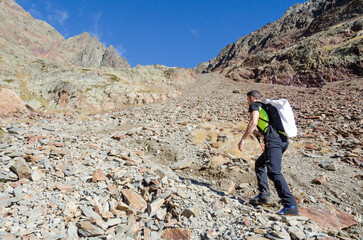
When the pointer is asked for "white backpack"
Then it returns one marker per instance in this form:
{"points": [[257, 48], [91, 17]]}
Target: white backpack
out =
{"points": [[287, 117]]}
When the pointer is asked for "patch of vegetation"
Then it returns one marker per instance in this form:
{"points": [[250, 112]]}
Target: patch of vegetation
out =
{"points": [[169, 73], [85, 70], [332, 47], [1, 132], [9, 80], [113, 77]]}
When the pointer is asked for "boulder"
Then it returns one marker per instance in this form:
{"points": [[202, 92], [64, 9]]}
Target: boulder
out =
{"points": [[10, 102]]}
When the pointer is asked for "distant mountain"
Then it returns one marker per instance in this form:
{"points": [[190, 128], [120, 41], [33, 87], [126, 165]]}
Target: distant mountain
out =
{"points": [[21, 30], [312, 43], [51, 73]]}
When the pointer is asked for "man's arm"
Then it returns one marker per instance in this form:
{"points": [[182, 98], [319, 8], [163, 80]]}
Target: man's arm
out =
{"points": [[250, 128]]}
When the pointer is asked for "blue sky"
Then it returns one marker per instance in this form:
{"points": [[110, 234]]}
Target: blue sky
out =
{"points": [[179, 33]]}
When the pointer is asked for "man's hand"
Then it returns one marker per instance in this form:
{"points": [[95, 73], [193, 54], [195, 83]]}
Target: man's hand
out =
{"points": [[240, 145], [250, 128]]}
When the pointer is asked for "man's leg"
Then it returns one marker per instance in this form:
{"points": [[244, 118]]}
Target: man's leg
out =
{"points": [[262, 180], [274, 158], [264, 192]]}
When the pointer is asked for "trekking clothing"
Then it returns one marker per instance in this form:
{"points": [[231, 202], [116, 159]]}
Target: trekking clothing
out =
{"points": [[275, 144], [260, 199], [290, 210], [271, 158]]}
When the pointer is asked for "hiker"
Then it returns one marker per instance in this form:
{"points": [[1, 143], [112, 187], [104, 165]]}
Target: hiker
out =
{"points": [[275, 145]]}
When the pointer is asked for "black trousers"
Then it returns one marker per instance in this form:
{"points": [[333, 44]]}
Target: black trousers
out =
{"points": [[271, 158]]}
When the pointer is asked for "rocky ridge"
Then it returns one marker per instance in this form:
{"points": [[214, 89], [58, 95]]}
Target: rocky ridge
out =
{"points": [[170, 170], [50, 73], [20, 30], [313, 43]]}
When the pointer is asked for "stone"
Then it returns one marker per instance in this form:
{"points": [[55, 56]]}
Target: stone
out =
{"points": [[16, 130], [255, 238], [89, 213], [160, 214], [10, 102], [7, 176], [98, 176], [227, 185], [64, 187], [218, 161], [9, 236], [210, 234], [181, 164], [155, 206], [329, 217], [113, 222], [328, 165], [72, 232], [21, 168], [37, 175], [188, 213], [87, 229], [119, 137], [319, 180], [176, 233], [296, 233], [5, 200], [15, 154], [134, 200]]}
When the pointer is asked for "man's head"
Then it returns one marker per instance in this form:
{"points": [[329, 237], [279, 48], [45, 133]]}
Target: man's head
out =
{"points": [[253, 96]]}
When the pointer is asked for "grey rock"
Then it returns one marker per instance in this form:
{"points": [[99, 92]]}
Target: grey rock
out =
{"points": [[7, 176], [328, 165], [16, 130], [15, 154], [4, 146], [88, 212], [5, 200], [87, 229]]}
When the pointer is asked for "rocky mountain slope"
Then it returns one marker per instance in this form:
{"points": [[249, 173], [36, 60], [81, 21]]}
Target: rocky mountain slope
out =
{"points": [[171, 170], [51, 73], [312, 43]]}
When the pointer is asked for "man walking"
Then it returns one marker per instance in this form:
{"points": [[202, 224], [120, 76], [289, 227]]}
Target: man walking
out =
{"points": [[275, 144]]}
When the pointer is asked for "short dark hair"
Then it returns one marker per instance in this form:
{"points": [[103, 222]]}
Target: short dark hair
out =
{"points": [[256, 94]]}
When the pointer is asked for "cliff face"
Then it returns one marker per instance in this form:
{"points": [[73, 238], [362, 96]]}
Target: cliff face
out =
{"points": [[312, 43], [21, 30]]}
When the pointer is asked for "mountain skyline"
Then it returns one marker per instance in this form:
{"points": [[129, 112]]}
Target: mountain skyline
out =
{"points": [[170, 34]]}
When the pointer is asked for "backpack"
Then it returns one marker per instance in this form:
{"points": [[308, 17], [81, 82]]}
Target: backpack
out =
{"points": [[281, 116]]}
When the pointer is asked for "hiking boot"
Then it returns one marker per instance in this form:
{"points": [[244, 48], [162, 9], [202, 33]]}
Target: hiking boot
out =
{"points": [[289, 211], [260, 199]]}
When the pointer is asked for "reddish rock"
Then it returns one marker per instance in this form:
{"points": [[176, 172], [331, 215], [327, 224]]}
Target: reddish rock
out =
{"points": [[10, 102], [147, 234], [64, 187], [21, 169], [311, 147], [134, 200], [119, 137], [113, 189], [319, 180], [329, 217], [98, 176], [216, 144], [176, 234]]}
